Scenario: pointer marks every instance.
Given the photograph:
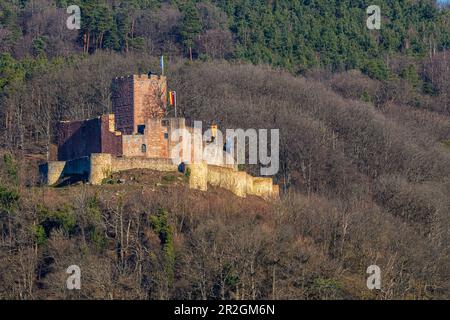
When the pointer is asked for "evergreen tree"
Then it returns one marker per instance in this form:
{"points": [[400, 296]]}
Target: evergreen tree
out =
{"points": [[191, 26]]}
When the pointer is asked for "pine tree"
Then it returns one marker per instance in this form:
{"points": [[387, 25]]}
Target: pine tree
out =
{"points": [[190, 27]]}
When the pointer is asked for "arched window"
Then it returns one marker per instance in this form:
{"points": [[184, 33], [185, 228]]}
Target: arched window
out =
{"points": [[144, 148]]}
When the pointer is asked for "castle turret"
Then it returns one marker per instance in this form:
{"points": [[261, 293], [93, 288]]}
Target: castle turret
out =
{"points": [[135, 99]]}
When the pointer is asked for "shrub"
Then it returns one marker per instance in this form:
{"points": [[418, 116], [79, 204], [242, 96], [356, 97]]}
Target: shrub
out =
{"points": [[8, 198], [160, 223], [39, 234], [187, 174], [11, 168], [447, 143], [63, 218], [169, 178]]}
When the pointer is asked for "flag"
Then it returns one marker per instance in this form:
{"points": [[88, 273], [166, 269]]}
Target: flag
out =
{"points": [[172, 98], [162, 65], [214, 130]]}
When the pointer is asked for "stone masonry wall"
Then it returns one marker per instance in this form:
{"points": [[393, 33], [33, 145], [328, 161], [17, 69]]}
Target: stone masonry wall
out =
{"points": [[103, 165], [120, 164], [53, 171], [132, 145], [136, 99], [76, 139], [240, 183], [122, 98], [150, 96], [157, 138], [229, 179]]}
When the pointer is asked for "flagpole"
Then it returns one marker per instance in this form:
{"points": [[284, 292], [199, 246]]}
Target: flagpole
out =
{"points": [[175, 98]]}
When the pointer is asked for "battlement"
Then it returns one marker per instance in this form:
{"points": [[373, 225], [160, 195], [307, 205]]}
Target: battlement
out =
{"points": [[153, 77]]}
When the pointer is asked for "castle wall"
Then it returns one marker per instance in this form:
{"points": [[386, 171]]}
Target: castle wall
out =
{"points": [[174, 124], [52, 171], [103, 165], [229, 179], [157, 138], [111, 140], [198, 176], [100, 166], [240, 183], [150, 96], [132, 145], [77, 139], [121, 164], [136, 99], [122, 98], [261, 187]]}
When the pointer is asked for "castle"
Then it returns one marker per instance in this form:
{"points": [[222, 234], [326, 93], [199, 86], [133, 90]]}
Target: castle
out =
{"points": [[137, 135]]}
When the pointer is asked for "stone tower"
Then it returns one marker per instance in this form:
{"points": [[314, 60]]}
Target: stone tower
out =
{"points": [[137, 98]]}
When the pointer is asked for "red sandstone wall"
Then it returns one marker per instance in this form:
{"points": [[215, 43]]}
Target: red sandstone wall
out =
{"points": [[135, 99], [110, 142], [150, 94], [157, 144], [123, 104], [78, 139], [132, 145]]}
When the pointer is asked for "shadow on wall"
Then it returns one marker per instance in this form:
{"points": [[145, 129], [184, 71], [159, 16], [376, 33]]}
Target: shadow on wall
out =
{"points": [[60, 173], [78, 139]]}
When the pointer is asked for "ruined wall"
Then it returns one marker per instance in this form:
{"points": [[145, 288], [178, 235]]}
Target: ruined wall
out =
{"points": [[121, 164], [76, 139], [229, 179], [174, 124], [156, 138], [262, 187], [154, 143], [103, 165], [198, 176], [240, 183], [100, 167], [159, 143], [111, 140], [53, 171]]}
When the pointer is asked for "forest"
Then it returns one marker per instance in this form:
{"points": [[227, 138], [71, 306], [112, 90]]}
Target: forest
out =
{"points": [[364, 119]]}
